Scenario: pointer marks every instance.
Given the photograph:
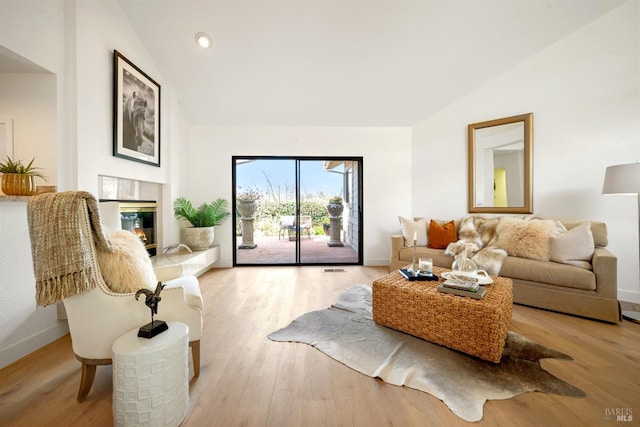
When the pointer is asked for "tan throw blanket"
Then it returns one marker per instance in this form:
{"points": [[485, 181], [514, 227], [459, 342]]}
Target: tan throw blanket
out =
{"points": [[475, 235], [60, 246]]}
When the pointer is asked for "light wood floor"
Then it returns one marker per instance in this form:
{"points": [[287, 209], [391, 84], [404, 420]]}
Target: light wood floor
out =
{"points": [[247, 380]]}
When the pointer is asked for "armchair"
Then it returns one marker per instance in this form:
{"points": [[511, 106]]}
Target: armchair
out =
{"points": [[96, 315], [286, 222]]}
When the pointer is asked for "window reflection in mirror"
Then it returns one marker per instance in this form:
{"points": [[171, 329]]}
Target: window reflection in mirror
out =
{"points": [[500, 165]]}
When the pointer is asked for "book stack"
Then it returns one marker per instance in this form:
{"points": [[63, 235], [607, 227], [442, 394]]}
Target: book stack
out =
{"points": [[463, 286], [410, 276]]}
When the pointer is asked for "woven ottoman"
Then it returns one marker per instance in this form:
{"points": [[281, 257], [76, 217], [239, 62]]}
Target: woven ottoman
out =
{"points": [[476, 327]]}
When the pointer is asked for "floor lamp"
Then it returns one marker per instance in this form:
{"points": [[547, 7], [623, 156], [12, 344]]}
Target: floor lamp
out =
{"points": [[625, 179]]}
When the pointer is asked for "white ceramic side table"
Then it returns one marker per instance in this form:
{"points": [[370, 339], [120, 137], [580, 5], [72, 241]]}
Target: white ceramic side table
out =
{"points": [[151, 378]]}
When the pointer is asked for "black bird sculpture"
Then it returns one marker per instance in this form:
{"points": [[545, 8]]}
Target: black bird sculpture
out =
{"points": [[152, 300]]}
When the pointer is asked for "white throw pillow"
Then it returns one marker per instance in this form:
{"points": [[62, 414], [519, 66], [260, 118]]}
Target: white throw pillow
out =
{"points": [[574, 247], [128, 268], [411, 229]]}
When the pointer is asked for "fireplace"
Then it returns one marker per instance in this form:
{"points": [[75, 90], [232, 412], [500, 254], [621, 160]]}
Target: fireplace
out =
{"points": [[139, 217]]}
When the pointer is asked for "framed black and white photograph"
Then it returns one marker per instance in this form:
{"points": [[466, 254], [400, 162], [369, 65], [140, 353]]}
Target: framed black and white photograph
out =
{"points": [[136, 113]]}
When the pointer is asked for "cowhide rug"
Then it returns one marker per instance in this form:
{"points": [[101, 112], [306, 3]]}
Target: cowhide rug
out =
{"points": [[347, 333]]}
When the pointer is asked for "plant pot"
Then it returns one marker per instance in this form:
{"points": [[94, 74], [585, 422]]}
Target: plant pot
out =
{"points": [[335, 209], [247, 208], [199, 238], [18, 184]]}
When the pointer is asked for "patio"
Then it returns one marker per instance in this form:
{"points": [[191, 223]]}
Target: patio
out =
{"points": [[314, 250]]}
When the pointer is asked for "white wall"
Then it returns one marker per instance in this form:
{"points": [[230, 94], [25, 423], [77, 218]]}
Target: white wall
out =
{"points": [[102, 27], [178, 162], [35, 30], [25, 326], [385, 152], [584, 92], [30, 100]]}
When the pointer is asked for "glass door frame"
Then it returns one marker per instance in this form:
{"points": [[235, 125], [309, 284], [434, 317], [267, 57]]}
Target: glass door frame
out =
{"points": [[298, 159]]}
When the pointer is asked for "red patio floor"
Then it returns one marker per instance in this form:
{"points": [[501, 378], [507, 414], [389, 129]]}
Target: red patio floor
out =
{"points": [[271, 250]]}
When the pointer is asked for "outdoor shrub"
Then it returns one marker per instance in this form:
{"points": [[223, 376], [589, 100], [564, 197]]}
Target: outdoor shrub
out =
{"points": [[268, 215]]}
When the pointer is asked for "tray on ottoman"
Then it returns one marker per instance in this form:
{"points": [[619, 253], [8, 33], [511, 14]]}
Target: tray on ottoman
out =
{"points": [[476, 327]]}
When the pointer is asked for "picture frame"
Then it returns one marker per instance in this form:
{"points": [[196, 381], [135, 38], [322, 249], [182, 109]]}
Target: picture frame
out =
{"points": [[136, 113]]}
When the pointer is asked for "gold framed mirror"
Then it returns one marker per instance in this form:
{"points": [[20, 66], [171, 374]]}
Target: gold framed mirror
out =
{"points": [[500, 165]]}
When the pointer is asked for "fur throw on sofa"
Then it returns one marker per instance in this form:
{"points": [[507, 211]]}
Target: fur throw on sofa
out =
{"points": [[488, 241], [475, 235]]}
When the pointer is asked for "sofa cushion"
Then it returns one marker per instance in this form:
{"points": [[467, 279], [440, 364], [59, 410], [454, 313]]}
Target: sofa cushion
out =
{"points": [[524, 238], [411, 229], [439, 236], [574, 247], [128, 267], [598, 229], [548, 272]]}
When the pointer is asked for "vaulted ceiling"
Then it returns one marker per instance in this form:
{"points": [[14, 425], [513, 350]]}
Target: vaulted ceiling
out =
{"points": [[343, 62]]}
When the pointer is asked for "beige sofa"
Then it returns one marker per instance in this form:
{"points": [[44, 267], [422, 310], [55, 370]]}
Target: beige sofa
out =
{"points": [[590, 293]]}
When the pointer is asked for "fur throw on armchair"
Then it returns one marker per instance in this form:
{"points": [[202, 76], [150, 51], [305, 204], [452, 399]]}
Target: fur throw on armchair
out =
{"points": [[127, 267], [475, 237]]}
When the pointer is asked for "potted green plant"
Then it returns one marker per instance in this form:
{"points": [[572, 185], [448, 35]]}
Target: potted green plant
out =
{"points": [[19, 179], [203, 220]]}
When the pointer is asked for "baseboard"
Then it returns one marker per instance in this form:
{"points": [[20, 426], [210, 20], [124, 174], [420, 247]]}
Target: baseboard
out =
{"points": [[628, 296], [376, 262], [224, 263], [30, 344]]}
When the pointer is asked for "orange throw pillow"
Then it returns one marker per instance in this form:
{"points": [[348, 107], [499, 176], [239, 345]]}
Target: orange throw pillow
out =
{"points": [[439, 236]]}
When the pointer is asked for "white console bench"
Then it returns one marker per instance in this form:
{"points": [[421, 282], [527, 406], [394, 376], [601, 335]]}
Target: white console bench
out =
{"points": [[193, 263]]}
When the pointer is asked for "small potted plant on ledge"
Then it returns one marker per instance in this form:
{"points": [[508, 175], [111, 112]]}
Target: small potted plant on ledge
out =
{"points": [[203, 220], [18, 179]]}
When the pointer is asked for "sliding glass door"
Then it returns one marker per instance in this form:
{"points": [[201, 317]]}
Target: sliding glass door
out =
{"points": [[297, 210]]}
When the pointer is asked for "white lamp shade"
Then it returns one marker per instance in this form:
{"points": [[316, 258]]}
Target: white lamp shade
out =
{"points": [[622, 179]]}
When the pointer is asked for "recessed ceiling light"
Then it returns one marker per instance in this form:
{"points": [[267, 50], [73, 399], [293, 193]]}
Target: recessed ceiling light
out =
{"points": [[203, 40]]}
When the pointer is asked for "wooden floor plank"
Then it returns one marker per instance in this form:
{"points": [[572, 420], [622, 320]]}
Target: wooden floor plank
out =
{"points": [[248, 380]]}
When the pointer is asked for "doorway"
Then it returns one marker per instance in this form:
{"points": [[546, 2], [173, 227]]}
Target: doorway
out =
{"points": [[297, 210]]}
